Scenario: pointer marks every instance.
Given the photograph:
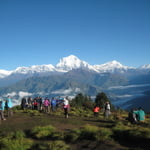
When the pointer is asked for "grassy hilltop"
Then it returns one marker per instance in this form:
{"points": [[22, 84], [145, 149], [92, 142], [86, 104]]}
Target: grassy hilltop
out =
{"points": [[34, 130]]}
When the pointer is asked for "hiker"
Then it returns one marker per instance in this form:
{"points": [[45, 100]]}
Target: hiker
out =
{"points": [[9, 106], [35, 104], [107, 110], [29, 100], [140, 114], [66, 107], [46, 105], [39, 100], [132, 116], [23, 103], [2, 107], [96, 110], [53, 104]]}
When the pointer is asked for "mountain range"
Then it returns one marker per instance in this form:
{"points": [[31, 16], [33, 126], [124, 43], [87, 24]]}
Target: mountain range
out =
{"points": [[72, 62], [72, 75]]}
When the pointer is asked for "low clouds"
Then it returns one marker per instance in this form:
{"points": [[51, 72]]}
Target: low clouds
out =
{"points": [[20, 94]]}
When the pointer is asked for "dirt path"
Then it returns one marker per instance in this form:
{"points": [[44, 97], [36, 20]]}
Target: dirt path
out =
{"points": [[25, 121]]}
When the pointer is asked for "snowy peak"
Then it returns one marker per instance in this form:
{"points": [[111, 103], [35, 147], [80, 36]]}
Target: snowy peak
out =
{"points": [[71, 62], [145, 66], [112, 66], [4, 73], [35, 69]]}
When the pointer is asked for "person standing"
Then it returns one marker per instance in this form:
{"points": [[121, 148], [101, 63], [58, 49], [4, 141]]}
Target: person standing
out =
{"points": [[66, 107], [2, 107], [9, 106], [23, 103], [46, 104], [29, 100], [96, 111], [107, 110], [53, 104]]}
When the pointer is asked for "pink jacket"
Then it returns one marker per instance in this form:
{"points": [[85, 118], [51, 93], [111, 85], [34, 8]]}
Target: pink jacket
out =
{"points": [[46, 102]]}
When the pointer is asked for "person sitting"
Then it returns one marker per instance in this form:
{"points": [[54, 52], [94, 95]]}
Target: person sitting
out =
{"points": [[140, 114], [132, 116]]}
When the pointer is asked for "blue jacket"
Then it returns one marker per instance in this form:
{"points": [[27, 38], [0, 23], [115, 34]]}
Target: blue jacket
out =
{"points": [[2, 105], [9, 102]]}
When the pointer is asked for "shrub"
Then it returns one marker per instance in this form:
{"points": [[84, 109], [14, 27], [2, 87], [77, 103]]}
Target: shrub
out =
{"points": [[142, 133], [120, 130], [15, 141], [42, 131], [33, 112], [53, 145], [73, 135], [103, 134], [89, 132], [95, 133], [58, 145], [57, 136]]}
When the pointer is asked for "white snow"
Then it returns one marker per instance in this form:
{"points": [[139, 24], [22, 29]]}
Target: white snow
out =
{"points": [[4, 73], [145, 66], [68, 63], [110, 66]]}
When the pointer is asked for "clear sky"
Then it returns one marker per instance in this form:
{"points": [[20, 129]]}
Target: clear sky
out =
{"points": [[36, 32]]}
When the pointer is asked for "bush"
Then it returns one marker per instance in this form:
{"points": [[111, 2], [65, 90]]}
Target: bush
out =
{"points": [[73, 135], [120, 131], [103, 134], [58, 145], [42, 131], [139, 133], [57, 136], [89, 132], [15, 141], [53, 145]]}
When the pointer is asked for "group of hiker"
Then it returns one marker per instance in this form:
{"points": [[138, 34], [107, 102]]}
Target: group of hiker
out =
{"points": [[6, 104], [46, 105], [136, 115], [106, 109], [50, 105]]}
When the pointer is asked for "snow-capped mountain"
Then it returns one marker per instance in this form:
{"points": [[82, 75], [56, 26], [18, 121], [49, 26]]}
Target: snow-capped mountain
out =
{"points": [[69, 63], [145, 66], [112, 66], [35, 69], [73, 62], [4, 73], [72, 75]]}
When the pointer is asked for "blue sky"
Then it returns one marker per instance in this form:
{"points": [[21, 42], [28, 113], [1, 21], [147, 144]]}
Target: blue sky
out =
{"points": [[36, 32]]}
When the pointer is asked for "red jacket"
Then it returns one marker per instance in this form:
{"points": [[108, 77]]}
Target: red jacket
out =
{"points": [[96, 109]]}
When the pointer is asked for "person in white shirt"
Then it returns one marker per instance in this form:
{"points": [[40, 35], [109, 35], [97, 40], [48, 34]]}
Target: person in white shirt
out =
{"points": [[66, 107], [107, 110]]}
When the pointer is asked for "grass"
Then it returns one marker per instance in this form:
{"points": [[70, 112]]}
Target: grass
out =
{"points": [[53, 131]]}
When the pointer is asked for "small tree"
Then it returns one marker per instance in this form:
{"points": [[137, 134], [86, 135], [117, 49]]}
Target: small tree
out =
{"points": [[81, 100], [101, 99]]}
